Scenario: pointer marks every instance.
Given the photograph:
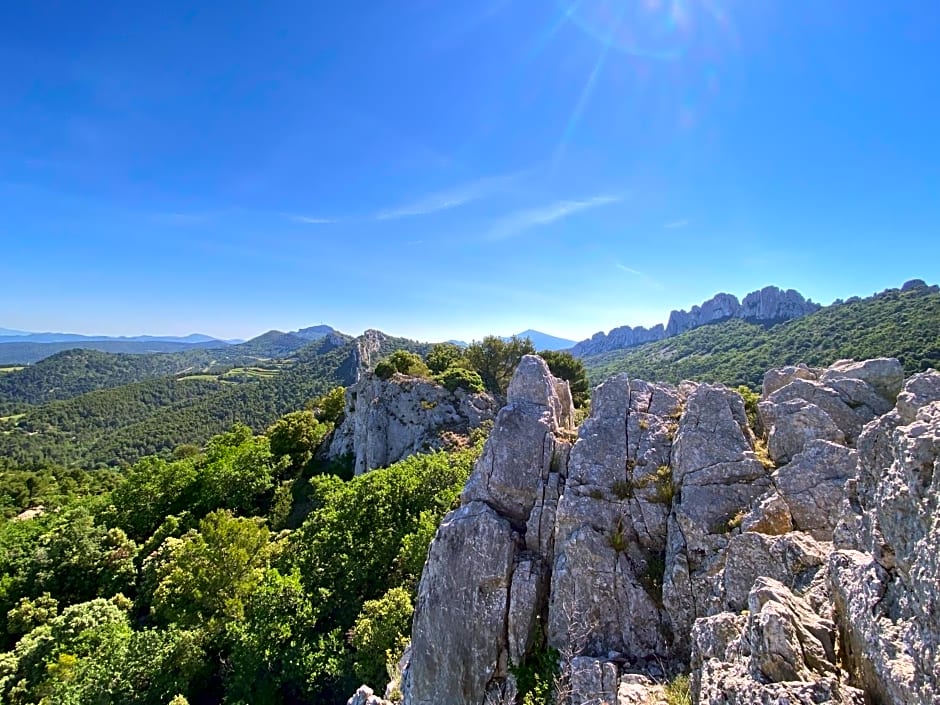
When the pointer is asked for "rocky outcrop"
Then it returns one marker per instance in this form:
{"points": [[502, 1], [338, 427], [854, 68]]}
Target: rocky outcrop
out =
{"points": [[387, 420], [717, 476], [769, 305], [886, 576], [832, 404], [479, 599], [660, 542]]}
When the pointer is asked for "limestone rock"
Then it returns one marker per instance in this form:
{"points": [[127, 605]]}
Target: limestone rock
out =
{"points": [[780, 652], [387, 420], [610, 524], [789, 642], [885, 375], [770, 516], [813, 486], [833, 404], [522, 450], [592, 681], [458, 638], [774, 304], [887, 586], [639, 689], [528, 590], [794, 559], [782, 376], [717, 476], [793, 424], [484, 585]]}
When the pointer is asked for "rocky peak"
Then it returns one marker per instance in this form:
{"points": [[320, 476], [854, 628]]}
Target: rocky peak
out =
{"points": [[717, 308], [773, 304]]}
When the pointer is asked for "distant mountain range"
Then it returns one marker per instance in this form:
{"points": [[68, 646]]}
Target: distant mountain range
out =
{"points": [[21, 347], [768, 305]]}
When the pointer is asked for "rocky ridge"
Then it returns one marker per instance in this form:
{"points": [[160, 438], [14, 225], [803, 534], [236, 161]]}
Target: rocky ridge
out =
{"points": [[664, 539], [769, 304]]}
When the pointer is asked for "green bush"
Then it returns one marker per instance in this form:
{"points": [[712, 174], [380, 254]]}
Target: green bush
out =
{"points": [[454, 378], [380, 634], [403, 362]]}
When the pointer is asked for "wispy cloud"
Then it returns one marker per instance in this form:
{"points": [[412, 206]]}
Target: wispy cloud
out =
{"points": [[309, 220], [450, 198], [646, 278], [675, 224], [630, 270], [517, 223]]}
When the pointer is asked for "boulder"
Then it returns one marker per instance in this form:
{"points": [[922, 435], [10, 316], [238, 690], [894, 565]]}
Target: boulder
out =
{"points": [[366, 696], [884, 374], [770, 516], [782, 376]]}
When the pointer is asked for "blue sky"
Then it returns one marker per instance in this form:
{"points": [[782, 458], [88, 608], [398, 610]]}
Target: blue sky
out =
{"points": [[448, 170]]}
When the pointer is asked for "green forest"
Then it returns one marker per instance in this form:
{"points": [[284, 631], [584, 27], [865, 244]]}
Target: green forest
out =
{"points": [[229, 575]]}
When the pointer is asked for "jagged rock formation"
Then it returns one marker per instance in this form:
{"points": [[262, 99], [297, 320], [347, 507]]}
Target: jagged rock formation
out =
{"points": [[660, 541], [387, 420], [480, 591], [770, 304]]}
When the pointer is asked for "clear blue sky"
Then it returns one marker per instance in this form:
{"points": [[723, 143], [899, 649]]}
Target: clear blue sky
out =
{"points": [[442, 169]]}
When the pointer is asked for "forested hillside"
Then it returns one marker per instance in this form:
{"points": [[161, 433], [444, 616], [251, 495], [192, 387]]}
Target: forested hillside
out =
{"points": [[179, 579], [901, 324], [120, 425], [77, 371]]}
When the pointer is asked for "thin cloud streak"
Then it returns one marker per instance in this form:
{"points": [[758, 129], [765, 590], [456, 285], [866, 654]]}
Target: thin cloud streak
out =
{"points": [[676, 224], [646, 278], [629, 270], [517, 223], [310, 220], [451, 198]]}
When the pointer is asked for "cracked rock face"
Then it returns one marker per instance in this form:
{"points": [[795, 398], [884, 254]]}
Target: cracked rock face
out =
{"points": [[886, 580], [387, 420], [659, 542], [717, 475], [483, 588]]}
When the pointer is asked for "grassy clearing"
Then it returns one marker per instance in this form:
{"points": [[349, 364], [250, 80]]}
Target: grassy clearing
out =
{"points": [[210, 377], [258, 372], [12, 419], [13, 368]]}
